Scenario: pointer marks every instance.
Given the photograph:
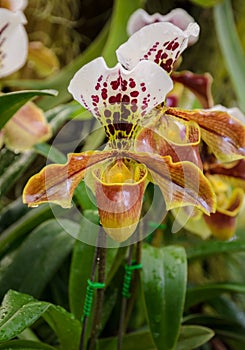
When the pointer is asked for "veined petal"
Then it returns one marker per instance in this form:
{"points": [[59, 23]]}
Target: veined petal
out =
{"points": [[26, 128], [161, 43], [223, 222], [119, 98], [13, 5], [224, 134], [13, 42], [179, 17], [150, 141], [199, 84], [57, 182], [119, 193], [181, 183]]}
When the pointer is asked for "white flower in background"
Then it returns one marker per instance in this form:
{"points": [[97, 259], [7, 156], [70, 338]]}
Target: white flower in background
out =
{"points": [[13, 41], [14, 5], [178, 17]]}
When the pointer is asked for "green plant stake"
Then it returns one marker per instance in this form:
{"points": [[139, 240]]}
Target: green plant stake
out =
{"points": [[89, 297], [128, 278]]}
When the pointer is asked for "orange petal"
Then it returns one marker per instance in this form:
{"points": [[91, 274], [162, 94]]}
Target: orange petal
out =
{"points": [[224, 134], [57, 182], [223, 222], [181, 183], [119, 194], [26, 128], [199, 84]]}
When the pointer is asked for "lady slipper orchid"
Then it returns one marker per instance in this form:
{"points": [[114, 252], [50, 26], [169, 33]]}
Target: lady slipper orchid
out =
{"points": [[26, 128], [13, 42], [122, 100]]}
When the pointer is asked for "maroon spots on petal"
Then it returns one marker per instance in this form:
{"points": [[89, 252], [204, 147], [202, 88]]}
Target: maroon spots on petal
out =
{"points": [[107, 113], [132, 83], [134, 93], [125, 99], [100, 78], [111, 129], [105, 84], [134, 108], [104, 94], [95, 98], [112, 99], [116, 117], [97, 86], [175, 46]]}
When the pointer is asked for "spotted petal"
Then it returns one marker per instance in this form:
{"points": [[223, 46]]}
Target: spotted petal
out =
{"points": [[13, 42], [224, 134], [119, 98], [56, 182], [179, 17], [181, 183], [161, 43]]}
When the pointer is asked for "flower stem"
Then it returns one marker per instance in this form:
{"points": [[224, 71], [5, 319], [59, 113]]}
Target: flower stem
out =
{"points": [[101, 263], [124, 306]]}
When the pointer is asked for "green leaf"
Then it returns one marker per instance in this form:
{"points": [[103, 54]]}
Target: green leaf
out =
{"points": [[231, 48], [11, 102], [45, 249], [81, 265], [23, 226], [65, 325], [206, 3], [214, 247], [164, 283], [20, 311], [192, 337], [117, 35], [200, 294], [141, 340], [14, 171], [25, 345]]}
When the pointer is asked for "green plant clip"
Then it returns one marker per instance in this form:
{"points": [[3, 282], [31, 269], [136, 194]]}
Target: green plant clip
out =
{"points": [[128, 277], [89, 296]]}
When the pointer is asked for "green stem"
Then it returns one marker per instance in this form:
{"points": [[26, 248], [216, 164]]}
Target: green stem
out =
{"points": [[231, 48], [101, 263]]}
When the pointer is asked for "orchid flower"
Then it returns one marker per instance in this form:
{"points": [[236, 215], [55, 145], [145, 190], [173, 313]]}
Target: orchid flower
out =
{"points": [[122, 100], [13, 42], [227, 179], [25, 129]]}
